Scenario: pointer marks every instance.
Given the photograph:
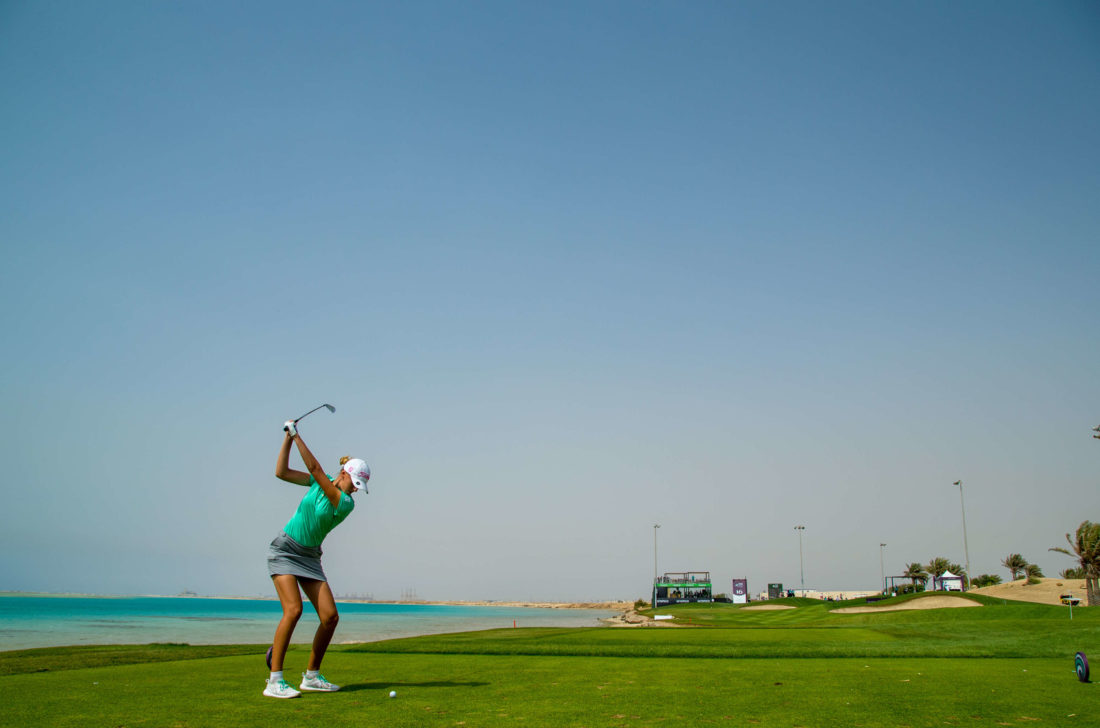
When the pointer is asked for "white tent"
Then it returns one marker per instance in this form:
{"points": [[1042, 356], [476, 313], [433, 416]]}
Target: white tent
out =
{"points": [[949, 582]]}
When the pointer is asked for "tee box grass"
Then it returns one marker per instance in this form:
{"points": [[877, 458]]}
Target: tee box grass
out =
{"points": [[1004, 663]]}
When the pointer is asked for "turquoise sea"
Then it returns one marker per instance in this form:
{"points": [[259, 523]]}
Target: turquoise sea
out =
{"points": [[52, 621]]}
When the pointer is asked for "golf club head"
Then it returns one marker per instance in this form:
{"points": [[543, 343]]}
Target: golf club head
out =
{"points": [[330, 408]]}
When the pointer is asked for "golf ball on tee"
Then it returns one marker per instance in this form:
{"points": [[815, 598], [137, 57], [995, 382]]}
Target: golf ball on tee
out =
{"points": [[393, 693]]}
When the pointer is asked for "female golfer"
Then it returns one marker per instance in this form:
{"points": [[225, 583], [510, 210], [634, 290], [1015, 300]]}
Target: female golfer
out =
{"points": [[294, 559]]}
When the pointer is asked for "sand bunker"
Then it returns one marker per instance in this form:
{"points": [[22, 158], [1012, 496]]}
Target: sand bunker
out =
{"points": [[923, 603], [1047, 591], [766, 607]]}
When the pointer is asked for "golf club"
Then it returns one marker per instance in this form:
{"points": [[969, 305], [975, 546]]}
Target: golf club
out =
{"points": [[329, 407]]}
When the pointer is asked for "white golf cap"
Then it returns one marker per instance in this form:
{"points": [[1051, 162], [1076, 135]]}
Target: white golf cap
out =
{"points": [[359, 472]]}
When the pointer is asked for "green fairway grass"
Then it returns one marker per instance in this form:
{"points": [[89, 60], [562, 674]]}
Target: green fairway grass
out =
{"points": [[999, 629], [1001, 664]]}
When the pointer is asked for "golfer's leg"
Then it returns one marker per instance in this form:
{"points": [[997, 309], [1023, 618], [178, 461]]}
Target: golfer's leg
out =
{"points": [[286, 586], [320, 595]]}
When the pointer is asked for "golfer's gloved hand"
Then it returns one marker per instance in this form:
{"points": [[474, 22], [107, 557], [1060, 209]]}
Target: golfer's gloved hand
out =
{"points": [[290, 428]]}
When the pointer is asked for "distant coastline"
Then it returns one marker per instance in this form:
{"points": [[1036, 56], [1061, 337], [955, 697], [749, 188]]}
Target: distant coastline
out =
{"points": [[31, 620], [610, 605]]}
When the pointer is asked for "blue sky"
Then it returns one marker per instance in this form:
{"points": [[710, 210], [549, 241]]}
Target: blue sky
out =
{"points": [[565, 270]]}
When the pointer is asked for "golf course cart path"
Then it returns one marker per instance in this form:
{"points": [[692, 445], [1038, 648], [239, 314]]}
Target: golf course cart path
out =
{"points": [[923, 603]]}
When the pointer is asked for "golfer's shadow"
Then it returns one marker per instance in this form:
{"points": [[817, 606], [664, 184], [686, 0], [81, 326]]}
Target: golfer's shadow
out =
{"points": [[395, 685]]}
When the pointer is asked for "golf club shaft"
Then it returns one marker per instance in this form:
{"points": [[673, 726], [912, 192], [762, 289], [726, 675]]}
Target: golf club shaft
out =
{"points": [[329, 406]]}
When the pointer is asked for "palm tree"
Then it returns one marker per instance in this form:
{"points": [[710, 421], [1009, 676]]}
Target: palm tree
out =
{"points": [[1086, 548], [1016, 564], [1075, 573], [985, 580], [936, 567], [915, 572], [1033, 573]]}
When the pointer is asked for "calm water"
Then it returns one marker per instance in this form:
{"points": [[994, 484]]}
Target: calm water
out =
{"points": [[35, 621]]}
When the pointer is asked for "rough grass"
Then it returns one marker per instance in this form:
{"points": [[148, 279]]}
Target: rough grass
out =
{"points": [[54, 659]]}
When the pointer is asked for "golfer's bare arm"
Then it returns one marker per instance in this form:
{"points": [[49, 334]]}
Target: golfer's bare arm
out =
{"points": [[331, 491], [282, 466]]}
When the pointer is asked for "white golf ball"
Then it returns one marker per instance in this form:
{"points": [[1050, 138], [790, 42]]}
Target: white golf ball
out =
{"points": [[393, 693]]}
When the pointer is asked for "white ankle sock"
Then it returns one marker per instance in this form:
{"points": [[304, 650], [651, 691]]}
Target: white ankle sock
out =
{"points": [[312, 673], [276, 676]]}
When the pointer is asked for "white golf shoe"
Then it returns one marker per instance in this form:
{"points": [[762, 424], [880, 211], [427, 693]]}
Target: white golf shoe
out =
{"points": [[317, 684], [280, 689]]}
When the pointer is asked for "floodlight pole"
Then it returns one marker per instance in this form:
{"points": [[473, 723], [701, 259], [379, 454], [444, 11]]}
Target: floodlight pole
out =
{"points": [[881, 566], [655, 527], [801, 568], [654, 602], [966, 546]]}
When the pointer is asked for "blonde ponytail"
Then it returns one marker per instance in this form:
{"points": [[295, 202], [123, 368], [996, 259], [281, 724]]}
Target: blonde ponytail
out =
{"points": [[344, 460]]}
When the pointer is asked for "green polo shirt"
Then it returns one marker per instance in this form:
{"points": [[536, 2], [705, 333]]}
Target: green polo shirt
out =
{"points": [[316, 516]]}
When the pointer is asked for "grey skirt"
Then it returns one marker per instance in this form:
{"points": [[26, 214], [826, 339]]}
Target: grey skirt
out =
{"points": [[287, 556]]}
